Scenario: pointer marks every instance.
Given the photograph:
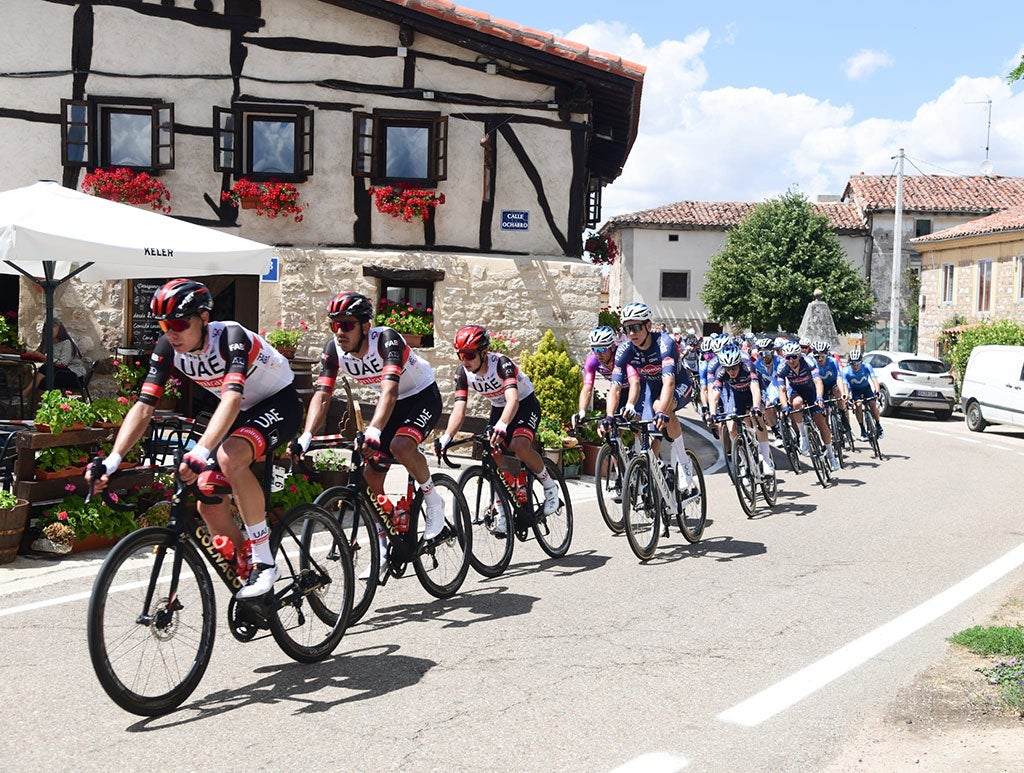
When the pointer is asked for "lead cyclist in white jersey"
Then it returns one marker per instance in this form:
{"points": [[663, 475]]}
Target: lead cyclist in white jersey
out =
{"points": [[259, 410]]}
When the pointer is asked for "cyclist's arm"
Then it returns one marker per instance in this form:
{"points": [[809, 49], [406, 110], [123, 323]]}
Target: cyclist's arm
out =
{"points": [[755, 391], [819, 388], [386, 404], [461, 384], [713, 396], [667, 398], [612, 403], [507, 371], [634, 389], [320, 404]]}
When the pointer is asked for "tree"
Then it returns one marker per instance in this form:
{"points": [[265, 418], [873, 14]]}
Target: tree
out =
{"points": [[1017, 72], [771, 264], [556, 381]]}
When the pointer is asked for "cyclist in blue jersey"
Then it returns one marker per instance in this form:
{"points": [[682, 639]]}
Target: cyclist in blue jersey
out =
{"points": [[799, 383], [766, 364], [667, 386], [830, 378], [862, 385], [738, 386]]}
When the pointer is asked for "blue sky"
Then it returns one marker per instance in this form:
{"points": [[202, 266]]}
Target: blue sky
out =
{"points": [[745, 100]]}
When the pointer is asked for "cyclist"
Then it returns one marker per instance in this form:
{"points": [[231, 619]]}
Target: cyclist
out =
{"points": [[829, 369], [799, 382], [691, 356], [667, 386], [766, 364], [601, 360], [805, 346], [862, 385], [738, 387], [258, 410], [515, 412], [409, 404]]}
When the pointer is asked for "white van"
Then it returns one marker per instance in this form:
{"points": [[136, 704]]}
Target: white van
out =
{"points": [[993, 388]]}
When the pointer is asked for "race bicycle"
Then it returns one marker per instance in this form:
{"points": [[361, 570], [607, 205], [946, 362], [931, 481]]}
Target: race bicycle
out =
{"points": [[816, 447], [742, 460], [490, 491], [609, 467], [870, 426], [152, 613]]}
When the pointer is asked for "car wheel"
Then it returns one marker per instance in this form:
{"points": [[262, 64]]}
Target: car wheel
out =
{"points": [[975, 421], [945, 415], [884, 403]]}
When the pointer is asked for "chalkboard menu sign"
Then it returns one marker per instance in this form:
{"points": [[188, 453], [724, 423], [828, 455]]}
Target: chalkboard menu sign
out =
{"points": [[144, 330]]}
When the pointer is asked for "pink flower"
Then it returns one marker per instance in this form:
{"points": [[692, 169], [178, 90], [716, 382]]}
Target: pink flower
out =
{"points": [[293, 489], [69, 487], [113, 496], [123, 400], [65, 407], [62, 515]]}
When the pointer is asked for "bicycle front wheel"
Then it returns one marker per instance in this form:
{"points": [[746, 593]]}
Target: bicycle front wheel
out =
{"points": [[836, 427], [442, 565], [817, 449], [744, 475], [152, 622], [641, 508], [360, 531], [488, 501], [554, 531], [692, 506], [316, 568], [872, 430], [608, 480], [789, 445]]}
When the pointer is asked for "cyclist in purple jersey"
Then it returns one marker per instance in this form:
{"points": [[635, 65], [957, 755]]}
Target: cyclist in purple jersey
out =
{"points": [[601, 360], [667, 386]]}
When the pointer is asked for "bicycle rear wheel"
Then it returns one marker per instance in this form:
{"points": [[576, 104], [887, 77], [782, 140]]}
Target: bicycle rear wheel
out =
{"points": [[553, 532], [744, 474], [442, 565], [492, 551], [608, 480], [641, 508], [316, 568], [360, 532], [692, 509], [150, 655]]}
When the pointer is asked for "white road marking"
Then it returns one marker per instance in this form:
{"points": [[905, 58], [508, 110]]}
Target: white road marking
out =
{"points": [[798, 686], [653, 762]]}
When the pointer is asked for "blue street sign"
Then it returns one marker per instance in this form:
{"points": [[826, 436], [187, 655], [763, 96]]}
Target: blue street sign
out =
{"points": [[273, 271], [515, 220]]}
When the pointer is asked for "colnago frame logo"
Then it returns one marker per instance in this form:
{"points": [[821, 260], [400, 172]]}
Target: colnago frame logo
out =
{"points": [[223, 565], [384, 517]]}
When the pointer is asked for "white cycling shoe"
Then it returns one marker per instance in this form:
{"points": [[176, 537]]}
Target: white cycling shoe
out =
{"points": [[261, 581], [551, 500], [433, 521], [767, 468], [500, 525]]}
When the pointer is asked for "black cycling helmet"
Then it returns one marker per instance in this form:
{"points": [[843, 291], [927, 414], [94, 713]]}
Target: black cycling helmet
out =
{"points": [[181, 298], [350, 305]]}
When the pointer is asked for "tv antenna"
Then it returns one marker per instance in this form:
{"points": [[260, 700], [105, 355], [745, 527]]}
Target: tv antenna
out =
{"points": [[986, 165]]}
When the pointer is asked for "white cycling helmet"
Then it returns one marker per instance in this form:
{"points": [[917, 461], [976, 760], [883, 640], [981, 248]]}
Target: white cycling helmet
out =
{"points": [[820, 347], [790, 348], [602, 336], [635, 312], [717, 343], [730, 356], [855, 356], [780, 342]]}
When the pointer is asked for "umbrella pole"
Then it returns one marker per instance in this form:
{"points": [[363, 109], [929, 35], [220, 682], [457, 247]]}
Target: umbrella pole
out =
{"points": [[49, 287]]}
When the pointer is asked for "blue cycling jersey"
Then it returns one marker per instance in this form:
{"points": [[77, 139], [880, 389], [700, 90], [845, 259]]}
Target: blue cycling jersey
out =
{"points": [[800, 378], [829, 372], [660, 358], [706, 373], [859, 381]]}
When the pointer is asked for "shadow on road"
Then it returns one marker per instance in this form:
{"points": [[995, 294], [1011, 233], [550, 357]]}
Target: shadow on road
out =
{"points": [[568, 565], [353, 675], [466, 608], [723, 548]]}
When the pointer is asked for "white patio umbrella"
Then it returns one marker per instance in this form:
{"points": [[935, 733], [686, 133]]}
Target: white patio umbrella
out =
{"points": [[50, 233]]}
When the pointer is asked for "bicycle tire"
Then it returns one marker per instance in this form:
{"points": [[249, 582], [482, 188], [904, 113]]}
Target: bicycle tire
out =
{"points": [[836, 428], [818, 459], [120, 646], [743, 474], [692, 517], [641, 508], [770, 489], [316, 568], [553, 532], [491, 551], [360, 529], [442, 567], [872, 430], [789, 445], [608, 472]]}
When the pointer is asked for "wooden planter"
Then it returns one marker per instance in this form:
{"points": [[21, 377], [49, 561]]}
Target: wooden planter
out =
{"points": [[93, 542], [287, 351], [249, 202], [46, 428], [67, 472], [554, 454], [331, 478], [12, 526]]}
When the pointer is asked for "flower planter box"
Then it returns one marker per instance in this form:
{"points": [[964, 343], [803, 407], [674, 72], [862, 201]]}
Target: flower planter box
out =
{"points": [[412, 339], [47, 428], [93, 542], [249, 202], [570, 471], [12, 527], [554, 454], [589, 466], [287, 351], [67, 472], [106, 424], [331, 478]]}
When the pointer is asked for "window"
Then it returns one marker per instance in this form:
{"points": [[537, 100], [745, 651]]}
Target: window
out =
{"points": [[947, 283], [264, 142], [400, 147], [594, 203], [922, 227], [675, 284], [984, 286], [104, 132]]}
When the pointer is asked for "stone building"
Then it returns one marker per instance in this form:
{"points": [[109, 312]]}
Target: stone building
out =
{"points": [[518, 129], [972, 272]]}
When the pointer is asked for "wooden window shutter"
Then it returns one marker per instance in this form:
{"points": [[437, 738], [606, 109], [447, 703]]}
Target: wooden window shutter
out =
{"points": [[439, 157], [225, 140], [364, 142], [163, 136], [74, 133], [304, 149]]}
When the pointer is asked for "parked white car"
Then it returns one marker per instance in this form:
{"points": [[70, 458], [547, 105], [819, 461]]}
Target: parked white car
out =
{"points": [[912, 381], [993, 388]]}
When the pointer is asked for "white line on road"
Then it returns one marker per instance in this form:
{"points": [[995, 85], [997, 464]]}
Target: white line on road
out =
{"points": [[798, 686], [653, 762]]}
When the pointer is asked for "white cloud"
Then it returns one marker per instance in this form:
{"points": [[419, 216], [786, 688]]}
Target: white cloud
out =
{"points": [[865, 62], [748, 144]]}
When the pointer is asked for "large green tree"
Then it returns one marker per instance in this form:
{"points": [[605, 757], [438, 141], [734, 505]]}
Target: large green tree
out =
{"points": [[771, 264]]}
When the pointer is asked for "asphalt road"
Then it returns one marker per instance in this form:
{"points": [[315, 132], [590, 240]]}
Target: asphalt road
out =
{"points": [[760, 648]]}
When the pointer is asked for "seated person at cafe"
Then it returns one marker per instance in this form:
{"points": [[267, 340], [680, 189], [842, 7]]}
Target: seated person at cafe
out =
{"points": [[68, 365]]}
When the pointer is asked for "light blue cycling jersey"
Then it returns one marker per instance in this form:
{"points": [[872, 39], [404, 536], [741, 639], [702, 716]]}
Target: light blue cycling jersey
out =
{"points": [[859, 381], [829, 372]]}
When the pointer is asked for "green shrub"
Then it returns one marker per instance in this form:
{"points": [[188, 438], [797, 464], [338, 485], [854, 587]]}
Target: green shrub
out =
{"points": [[958, 346], [556, 380]]}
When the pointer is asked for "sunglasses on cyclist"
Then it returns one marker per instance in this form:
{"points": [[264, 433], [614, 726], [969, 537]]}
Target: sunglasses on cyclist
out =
{"points": [[468, 356], [345, 325], [600, 349], [634, 328], [177, 325], [792, 356]]}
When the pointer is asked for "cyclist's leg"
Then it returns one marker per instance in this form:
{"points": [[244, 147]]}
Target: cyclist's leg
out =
{"points": [[523, 428], [797, 402], [674, 431]]}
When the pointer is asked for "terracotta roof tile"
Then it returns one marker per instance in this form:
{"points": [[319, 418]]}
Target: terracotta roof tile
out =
{"points": [[935, 193], [536, 39], [1008, 220], [714, 215]]}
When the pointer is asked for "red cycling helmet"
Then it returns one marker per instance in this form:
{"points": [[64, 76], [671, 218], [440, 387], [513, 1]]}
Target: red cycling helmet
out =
{"points": [[181, 298], [350, 305], [473, 338]]}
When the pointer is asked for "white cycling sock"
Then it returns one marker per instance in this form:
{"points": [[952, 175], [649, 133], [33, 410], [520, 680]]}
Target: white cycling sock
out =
{"points": [[679, 451], [766, 451], [546, 480], [803, 431], [430, 495], [260, 537]]}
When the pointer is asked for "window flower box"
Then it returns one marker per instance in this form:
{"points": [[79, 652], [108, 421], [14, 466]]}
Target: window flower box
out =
{"points": [[128, 187], [269, 199], [406, 203]]}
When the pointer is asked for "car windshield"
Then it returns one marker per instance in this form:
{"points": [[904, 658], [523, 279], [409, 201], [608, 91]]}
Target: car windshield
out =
{"points": [[922, 366]]}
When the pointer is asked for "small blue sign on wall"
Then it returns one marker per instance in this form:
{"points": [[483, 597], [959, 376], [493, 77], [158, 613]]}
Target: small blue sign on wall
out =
{"points": [[515, 220], [273, 271]]}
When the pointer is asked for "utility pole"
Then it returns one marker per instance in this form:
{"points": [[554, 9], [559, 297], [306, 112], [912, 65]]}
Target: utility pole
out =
{"points": [[897, 255]]}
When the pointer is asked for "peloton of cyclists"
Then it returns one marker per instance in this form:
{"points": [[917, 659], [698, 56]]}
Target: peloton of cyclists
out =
{"points": [[862, 385], [799, 383]]}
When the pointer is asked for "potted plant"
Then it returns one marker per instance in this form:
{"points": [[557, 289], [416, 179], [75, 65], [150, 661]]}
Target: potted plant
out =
{"points": [[502, 343], [110, 411], [590, 442], [128, 187], [610, 317], [572, 458], [75, 525], [13, 517], [128, 375], [10, 341], [406, 202], [414, 322], [269, 199], [172, 394], [601, 249], [284, 338], [61, 462], [551, 435], [557, 381], [59, 411], [331, 467], [298, 489]]}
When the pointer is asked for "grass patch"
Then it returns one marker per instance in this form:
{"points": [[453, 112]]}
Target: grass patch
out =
{"points": [[999, 640]]}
